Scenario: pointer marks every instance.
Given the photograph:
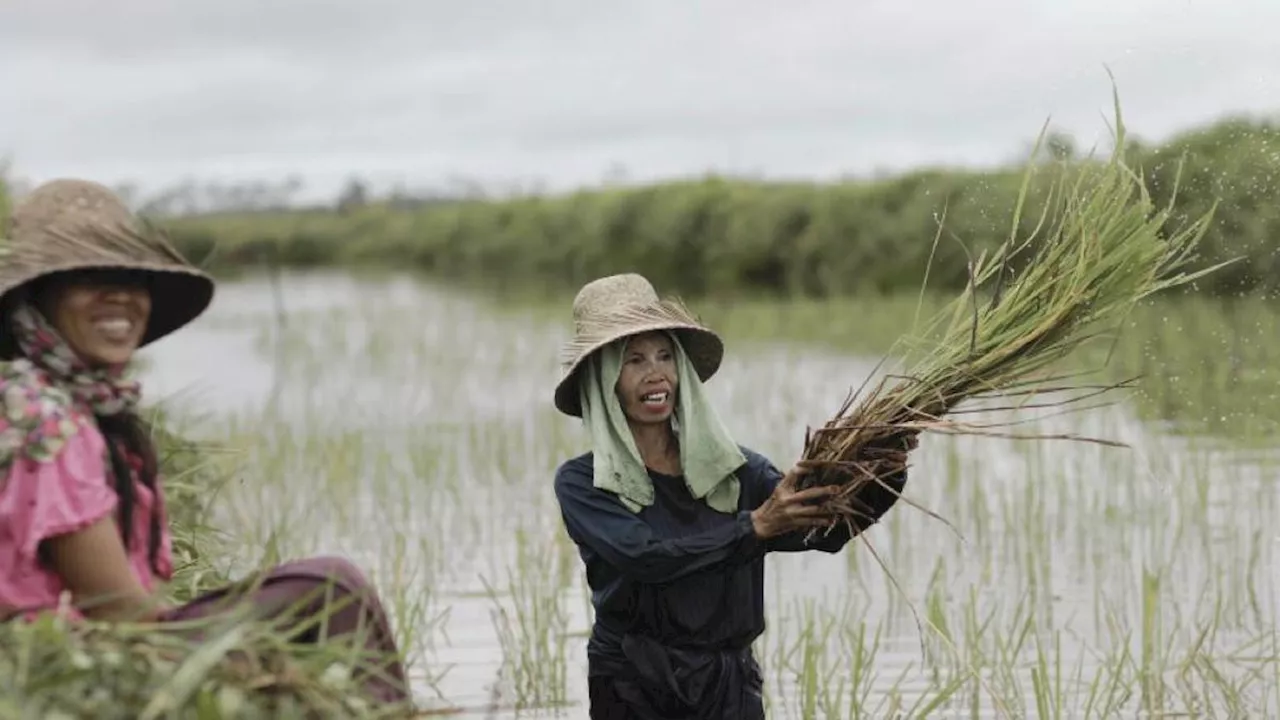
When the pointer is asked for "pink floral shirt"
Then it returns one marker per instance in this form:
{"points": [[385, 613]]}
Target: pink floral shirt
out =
{"points": [[62, 492]]}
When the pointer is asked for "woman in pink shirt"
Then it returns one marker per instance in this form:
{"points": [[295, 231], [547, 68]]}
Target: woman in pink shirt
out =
{"points": [[83, 284]]}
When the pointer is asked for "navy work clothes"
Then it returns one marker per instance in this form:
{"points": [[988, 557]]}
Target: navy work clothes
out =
{"points": [[678, 591]]}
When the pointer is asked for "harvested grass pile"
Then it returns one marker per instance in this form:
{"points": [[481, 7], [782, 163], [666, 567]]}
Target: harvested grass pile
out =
{"points": [[191, 483], [1099, 247], [54, 669]]}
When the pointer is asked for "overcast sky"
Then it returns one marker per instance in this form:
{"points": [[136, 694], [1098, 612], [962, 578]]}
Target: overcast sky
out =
{"points": [[152, 91]]}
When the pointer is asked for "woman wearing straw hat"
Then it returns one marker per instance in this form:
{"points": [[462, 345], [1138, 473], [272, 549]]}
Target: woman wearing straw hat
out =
{"points": [[672, 518], [83, 284]]}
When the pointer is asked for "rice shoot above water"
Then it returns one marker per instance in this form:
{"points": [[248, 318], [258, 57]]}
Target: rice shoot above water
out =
{"points": [[1098, 249]]}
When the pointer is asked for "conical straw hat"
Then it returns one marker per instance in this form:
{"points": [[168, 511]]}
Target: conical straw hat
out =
{"points": [[72, 224], [618, 306]]}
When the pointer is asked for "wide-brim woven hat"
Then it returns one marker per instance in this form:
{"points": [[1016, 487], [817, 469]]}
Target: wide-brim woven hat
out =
{"points": [[619, 306], [68, 224]]}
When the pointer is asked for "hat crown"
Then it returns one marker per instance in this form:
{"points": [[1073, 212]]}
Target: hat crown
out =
{"points": [[69, 222], [606, 296], [65, 205]]}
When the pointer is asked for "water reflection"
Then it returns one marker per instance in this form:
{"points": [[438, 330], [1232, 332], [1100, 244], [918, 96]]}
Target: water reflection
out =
{"points": [[386, 414]]}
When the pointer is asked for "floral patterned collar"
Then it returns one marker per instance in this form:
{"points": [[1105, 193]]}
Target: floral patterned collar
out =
{"points": [[40, 389]]}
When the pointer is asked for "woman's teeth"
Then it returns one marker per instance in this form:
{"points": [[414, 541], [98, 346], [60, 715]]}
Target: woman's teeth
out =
{"points": [[114, 328], [659, 398]]}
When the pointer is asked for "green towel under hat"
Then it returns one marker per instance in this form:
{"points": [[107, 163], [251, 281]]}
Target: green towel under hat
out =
{"points": [[708, 455]]}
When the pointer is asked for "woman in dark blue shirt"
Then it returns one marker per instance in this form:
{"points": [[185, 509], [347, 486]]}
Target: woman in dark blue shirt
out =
{"points": [[672, 518]]}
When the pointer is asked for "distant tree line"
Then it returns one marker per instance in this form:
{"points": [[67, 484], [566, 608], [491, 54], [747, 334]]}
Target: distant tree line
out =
{"points": [[717, 234]]}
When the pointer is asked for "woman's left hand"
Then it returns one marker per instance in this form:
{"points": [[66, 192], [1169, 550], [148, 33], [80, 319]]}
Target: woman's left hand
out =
{"points": [[910, 441], [788, 509]]}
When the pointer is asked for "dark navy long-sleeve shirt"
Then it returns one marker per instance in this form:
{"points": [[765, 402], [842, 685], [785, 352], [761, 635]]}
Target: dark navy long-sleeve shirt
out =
{"points": [[678, 573]]}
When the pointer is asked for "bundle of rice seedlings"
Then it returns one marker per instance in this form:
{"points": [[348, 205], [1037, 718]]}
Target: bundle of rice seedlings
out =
{"points": [[51, 668], [1097, 250]]}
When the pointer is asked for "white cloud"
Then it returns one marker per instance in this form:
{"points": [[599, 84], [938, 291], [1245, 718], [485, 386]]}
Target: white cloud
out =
{"points": [[152, 91]]}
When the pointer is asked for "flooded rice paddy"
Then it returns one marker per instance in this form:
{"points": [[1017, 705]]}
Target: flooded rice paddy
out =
{"points": [[411, 429]]}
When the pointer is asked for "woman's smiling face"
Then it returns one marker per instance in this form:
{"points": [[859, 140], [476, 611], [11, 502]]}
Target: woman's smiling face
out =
{"points": [[648, 383], [101, 314]]}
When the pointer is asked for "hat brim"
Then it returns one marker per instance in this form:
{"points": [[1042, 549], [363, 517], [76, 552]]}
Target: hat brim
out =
{"points": [[704, 348], [178, 295]]}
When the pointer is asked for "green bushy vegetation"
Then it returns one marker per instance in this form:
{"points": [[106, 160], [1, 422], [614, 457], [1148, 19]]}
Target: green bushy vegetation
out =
{"points": [[54, 669], [717, 235]]}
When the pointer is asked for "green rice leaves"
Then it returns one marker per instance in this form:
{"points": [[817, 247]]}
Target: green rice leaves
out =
{"points": [[1099, 247]]}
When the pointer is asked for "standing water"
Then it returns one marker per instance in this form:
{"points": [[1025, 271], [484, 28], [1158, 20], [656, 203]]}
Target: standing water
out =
{"points": [[411, 429]]}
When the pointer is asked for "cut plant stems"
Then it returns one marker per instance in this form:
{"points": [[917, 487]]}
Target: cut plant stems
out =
{"points": [[1099, 247]]}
